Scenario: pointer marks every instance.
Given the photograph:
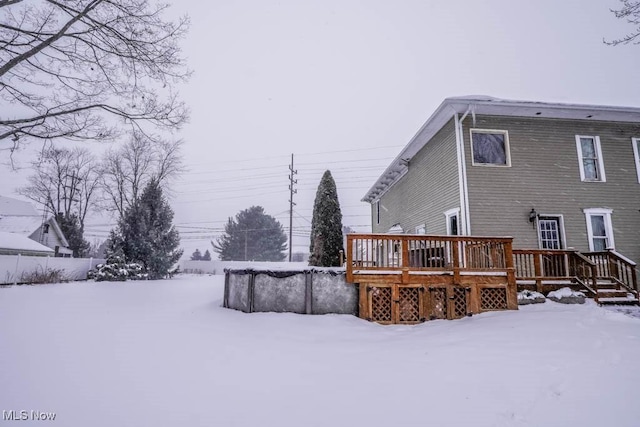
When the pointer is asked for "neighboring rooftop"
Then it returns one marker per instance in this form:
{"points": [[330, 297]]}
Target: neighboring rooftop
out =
{"points": [[483, 104], [15, 207], [19, 243]]}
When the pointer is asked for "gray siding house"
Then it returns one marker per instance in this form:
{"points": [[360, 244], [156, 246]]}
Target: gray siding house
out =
{"points": [[552, 176]]}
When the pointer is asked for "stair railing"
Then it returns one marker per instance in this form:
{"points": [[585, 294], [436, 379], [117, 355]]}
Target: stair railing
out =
{"points": [[584, 270], [613, 265]]}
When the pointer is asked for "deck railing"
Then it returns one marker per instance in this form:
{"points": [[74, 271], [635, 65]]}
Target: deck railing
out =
{"points": [[545, 265], [610, 264], [371, 253]]}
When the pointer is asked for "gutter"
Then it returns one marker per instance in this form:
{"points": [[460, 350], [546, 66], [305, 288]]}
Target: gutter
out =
{"points": [[465, 219]]}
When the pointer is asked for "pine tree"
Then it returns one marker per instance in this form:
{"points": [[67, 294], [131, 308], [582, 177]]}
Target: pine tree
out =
{"points": [[196, 256], [145, 233], [326, 225], [206, 256], [72, 230], [252, 236]]}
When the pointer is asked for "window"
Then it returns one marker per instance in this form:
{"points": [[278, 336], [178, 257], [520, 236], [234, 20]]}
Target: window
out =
{"points": [[378, 212], [636, 154], [599, 229], [590, 158], [453, 220], [550, 232], [490, 147]]}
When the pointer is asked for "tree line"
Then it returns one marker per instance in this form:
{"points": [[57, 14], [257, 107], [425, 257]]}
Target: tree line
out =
{"points": [[253, 235], [71, 182]]}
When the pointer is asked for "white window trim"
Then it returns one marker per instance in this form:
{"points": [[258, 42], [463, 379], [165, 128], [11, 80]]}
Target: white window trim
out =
{"points": [[636, 155], [377, 214], [606, 213], [507, 149], [448, 214], [563, 236], [596, 139]]}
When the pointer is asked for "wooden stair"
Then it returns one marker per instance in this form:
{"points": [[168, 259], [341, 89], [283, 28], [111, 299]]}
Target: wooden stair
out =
{"points": [[610, 292]]}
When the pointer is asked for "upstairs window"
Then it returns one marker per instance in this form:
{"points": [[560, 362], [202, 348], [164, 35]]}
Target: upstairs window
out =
{"points": [[490, 147], [590, 158], [599, 229]]}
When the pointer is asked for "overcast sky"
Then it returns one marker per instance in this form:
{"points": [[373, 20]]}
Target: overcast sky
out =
{"points": [[343, 85]]}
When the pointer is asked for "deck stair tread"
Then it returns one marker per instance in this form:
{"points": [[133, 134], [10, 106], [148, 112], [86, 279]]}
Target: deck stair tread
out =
{"points": [[618, 300]]}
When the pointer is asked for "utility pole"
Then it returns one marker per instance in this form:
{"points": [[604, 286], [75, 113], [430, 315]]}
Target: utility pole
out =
{"points": [[292, 191]]}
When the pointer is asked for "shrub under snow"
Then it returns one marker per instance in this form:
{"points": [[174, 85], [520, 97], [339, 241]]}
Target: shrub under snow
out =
{"points": [[116, 269]]}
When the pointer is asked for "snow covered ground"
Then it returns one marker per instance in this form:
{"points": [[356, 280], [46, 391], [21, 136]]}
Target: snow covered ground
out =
{"points": [[165, 353]]}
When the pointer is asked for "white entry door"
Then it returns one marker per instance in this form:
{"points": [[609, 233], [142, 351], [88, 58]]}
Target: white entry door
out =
{"points": [[550, 232]]}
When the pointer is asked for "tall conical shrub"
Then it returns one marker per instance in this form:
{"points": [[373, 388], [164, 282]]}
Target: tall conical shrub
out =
{"points": [[326, 226]]}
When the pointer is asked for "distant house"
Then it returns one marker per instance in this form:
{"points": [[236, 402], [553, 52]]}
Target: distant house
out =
{"points": [[14, 244], [551, 175], [21, 218]]}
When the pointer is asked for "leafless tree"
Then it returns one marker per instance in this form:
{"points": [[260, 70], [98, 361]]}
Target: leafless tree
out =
{"points": [[64, 181], [630, 12], [68, 68], [126, 171]]}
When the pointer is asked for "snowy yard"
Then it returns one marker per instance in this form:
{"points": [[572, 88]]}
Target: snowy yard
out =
{"points": [[165, 353]]}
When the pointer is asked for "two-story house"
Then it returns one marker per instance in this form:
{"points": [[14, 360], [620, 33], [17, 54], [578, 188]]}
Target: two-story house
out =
{"points": [[551, 175]]}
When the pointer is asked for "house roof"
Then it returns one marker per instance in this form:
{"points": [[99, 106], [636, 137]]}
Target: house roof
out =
{"points": [[15, 207], [25, 225], [21, 217], [20, 243], [481, 104]]}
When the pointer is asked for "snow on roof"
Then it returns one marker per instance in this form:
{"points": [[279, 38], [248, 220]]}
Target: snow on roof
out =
{"points": [[19, 242], [15, 207], [24, 225], [484, 104]]}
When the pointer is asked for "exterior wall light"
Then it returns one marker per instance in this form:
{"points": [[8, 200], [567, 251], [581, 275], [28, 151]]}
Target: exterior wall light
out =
{"points": [[532, 216]]}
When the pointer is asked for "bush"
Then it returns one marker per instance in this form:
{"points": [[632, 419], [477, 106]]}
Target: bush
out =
{"points": [[117, 270], [40, 276]]}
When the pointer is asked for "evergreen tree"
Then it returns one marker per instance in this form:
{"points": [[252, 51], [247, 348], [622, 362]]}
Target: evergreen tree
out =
{"points": [[196, 256], [326, 225], [145, 233], [72, 230], [206, 256], [252, 236]]}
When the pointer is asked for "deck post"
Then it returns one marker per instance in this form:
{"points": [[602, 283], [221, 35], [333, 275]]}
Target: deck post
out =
{"points": [[537, 271], [455, 254], [512, 288], [405, 259], [363, 304], [349, 261]]}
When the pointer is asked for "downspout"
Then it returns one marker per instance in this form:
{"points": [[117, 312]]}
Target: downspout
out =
{"points": [[462, 174]]}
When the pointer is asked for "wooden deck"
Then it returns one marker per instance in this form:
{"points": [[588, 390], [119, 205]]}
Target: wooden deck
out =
{"points": [[413, 278]]}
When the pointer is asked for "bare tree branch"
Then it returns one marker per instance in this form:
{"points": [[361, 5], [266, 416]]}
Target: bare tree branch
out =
{"points": [[64, 181], [630, 12], [127, 171], [78, 69]]}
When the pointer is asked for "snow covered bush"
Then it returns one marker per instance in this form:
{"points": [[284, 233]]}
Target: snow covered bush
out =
{"points": [[567, 296], [530, 297], [117, 270]]}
